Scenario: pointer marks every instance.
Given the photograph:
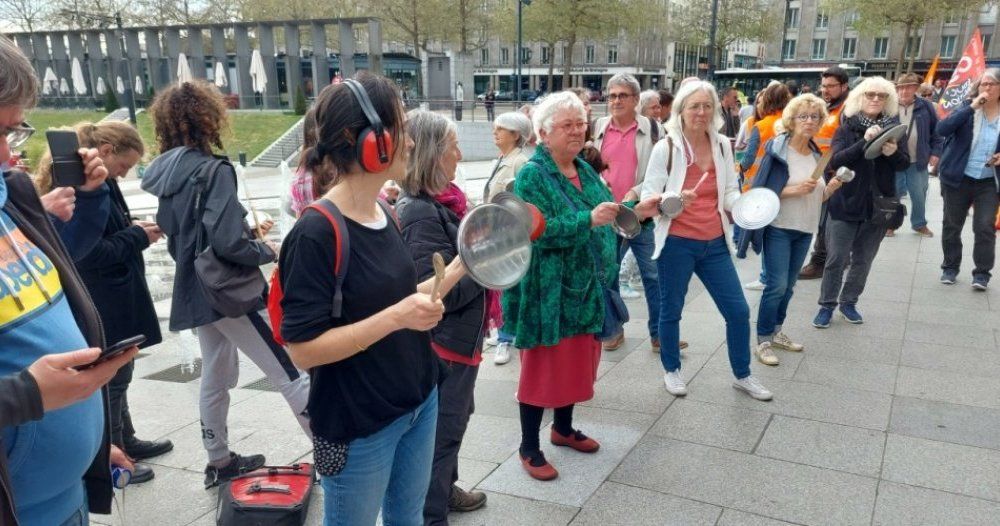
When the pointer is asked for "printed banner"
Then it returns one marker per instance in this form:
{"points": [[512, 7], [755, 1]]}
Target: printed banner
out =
{"points": [[969, 69]]}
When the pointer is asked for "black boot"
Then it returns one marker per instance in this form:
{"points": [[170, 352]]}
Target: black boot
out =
{"points": [[143, 449]]}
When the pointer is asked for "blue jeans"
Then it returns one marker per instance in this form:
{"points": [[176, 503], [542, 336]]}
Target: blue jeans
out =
{"points": [[711, 261], [80, 517], [504, 336], [784, 253], [390, 469], [913, 180], [642, 247]]}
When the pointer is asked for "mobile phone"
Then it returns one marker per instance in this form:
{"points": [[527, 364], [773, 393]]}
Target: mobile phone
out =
{"points": [[67, 166], [114, 351]]}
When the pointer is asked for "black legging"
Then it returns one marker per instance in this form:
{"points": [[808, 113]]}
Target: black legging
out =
{"points": [[531, 421]]}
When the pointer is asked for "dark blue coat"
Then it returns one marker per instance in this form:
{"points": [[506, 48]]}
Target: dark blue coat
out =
{"points": [[956, 130]]}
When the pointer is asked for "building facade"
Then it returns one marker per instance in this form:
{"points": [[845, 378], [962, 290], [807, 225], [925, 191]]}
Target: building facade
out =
{"points": [[815, 36]]}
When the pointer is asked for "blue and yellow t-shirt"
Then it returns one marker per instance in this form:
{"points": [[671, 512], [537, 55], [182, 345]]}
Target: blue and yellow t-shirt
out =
{"points": [[47, 457]]}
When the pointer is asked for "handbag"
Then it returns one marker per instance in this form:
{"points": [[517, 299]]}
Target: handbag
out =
{"points": [[231, 289], [887, 212], [615, 311]]}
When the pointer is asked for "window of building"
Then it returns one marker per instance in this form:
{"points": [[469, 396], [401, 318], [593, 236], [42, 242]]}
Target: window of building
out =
{"points": [[951, 18], [913, 46], [851, 18], [792, 18], [566, 54], [850, 48], [986, 43], [525, 55], [546, 55], [613, 54], [881, 49], [819, 49], [948, 46], [484, 56], [788, 49], [822, 20], [504, 56], [589, 54]]}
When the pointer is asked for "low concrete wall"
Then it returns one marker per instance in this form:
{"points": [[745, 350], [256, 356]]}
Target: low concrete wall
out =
{"points": [[476, 141]]}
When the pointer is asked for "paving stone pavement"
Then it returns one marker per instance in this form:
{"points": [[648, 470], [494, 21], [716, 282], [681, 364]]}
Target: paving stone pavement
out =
{"points": [[893, 422]]}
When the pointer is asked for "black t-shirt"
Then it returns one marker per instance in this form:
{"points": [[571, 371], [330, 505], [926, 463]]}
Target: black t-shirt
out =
{"points": [[361, 395]]}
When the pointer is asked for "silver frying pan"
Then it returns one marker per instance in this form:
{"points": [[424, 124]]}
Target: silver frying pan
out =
{"points": [[494, 246]]}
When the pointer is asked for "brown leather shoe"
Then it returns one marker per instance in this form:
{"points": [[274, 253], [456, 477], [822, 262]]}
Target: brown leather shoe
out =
{"points": [[538, 467], [463, 501], [577, 441], [683, 345], [924, 231], [616, 343], [811, 271], [656, 345]]}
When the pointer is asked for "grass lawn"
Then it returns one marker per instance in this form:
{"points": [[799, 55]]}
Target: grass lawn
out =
{"points": [[248, 132], [43, 119]]}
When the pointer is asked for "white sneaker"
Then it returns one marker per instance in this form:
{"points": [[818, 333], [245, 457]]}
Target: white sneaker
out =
{"points": [[628, 293], [764, 354], [675, 383], [502, 355], [493, 339], [782, 341], [754, 285], [753, 387]]}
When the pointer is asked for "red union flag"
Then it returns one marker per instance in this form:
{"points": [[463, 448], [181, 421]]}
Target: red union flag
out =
{"points": [[970, 67]]}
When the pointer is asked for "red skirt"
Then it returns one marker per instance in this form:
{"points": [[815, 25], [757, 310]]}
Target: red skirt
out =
{"points": [[560, 375]]}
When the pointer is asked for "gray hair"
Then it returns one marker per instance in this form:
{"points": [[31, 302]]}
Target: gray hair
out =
{"points": [[553, 104], [625, 79], [993, 73], [18, 83], [516, 122], [430, 132], [646, 98], [688, 88], [852, 106]]}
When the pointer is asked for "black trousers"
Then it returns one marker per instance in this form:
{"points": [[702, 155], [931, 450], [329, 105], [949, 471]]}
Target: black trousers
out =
{"points": [[121, 420], [818, 257], [455, 405], [981, 195]]}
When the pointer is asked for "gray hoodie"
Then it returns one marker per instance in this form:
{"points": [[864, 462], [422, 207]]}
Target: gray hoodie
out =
{"points": [[170, 177]]}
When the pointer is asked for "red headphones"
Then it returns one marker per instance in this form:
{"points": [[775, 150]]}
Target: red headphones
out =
{"points": [[374, 143]]}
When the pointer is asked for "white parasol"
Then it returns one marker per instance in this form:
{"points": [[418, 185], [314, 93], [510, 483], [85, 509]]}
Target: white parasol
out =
{"points": [[257, 72], [220, 75], [63, 87], [120, 86], [49, 81], [138, 85], [79, 81], [183, 69], [101, 89]]}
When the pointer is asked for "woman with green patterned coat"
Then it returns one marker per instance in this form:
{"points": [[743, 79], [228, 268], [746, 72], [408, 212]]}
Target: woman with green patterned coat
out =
{"points": [[558, 308]]}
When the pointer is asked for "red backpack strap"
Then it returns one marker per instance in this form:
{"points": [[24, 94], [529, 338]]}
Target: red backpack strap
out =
{"points": [[342, 248]]}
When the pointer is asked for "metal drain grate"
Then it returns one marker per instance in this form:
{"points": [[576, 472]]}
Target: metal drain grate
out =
{"points": [[180, 373], [261, 385]]}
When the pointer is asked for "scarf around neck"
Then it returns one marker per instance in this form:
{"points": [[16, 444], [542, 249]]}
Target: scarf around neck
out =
{"points": [[454, 199]]}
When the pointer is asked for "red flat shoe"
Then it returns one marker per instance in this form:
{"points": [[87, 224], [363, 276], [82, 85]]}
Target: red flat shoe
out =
{"points": [[544, 471], [577, 441]]}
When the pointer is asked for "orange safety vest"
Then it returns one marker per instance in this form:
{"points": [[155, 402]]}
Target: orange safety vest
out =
{"points": [[765, 130], [824, 137]]}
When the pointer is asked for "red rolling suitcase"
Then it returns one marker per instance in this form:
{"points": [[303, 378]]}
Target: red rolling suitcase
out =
{"points": [[270, 496]]}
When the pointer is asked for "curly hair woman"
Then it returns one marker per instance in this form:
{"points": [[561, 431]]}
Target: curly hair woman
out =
{"points": [[189, 119]]}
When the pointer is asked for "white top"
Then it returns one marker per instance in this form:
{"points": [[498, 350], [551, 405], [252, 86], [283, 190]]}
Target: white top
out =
{"points": [[802, 212], [657, 180]]}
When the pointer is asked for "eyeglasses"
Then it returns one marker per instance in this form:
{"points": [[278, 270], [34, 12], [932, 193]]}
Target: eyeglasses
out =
{"points": [[619, 96], [17, 135], [871, 95], [988, 84], [803, 117], [570, 127]]}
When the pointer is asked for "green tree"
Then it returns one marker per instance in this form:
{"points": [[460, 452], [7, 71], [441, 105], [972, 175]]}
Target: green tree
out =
{"points": [[110, 101], [907, 17], [737, 20], [299, 105]]}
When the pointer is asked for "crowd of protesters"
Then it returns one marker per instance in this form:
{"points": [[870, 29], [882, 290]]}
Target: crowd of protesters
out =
{"points": [[383, 382]]}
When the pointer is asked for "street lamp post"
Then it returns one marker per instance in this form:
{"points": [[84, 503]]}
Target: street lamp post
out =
{"points": [[517, 59]]}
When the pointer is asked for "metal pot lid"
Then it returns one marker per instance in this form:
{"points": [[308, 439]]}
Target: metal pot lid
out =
{"points": [[626, 223], [756, 208], [874, 148], [494, 246]]}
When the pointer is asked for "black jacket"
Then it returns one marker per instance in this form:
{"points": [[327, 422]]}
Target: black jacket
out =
{"points": [[170, 178], [853, 202], [115, 274], [25, 209], [429, 227]]}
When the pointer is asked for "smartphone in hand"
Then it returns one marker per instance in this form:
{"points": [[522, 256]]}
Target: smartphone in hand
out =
{"points": [[67, 166], [114, 351]]}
